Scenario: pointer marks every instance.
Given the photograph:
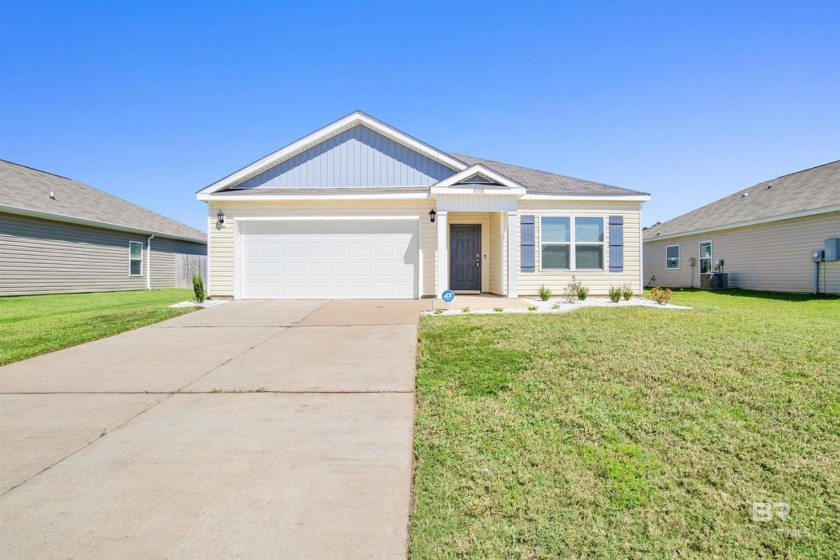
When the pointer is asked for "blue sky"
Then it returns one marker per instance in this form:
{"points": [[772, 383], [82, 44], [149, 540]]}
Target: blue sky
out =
{"points": [[687, 101]]}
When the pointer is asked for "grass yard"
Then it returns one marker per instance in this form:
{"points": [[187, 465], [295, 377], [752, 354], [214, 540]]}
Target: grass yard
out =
{"points": [[632, 432], [33, 325]]}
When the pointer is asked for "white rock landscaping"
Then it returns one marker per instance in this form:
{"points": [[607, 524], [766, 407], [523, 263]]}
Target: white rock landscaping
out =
{"points": [[564, 306]]}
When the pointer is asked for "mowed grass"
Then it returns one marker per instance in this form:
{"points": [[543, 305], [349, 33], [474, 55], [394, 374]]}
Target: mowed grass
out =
{"points": [[630, 432], [33, 325]]}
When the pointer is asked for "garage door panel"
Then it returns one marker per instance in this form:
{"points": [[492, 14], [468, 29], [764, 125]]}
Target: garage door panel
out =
{"points": [[328, 259]]}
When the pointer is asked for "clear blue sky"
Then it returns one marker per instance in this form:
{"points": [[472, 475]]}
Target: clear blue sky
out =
{"points": [[688, 101]]}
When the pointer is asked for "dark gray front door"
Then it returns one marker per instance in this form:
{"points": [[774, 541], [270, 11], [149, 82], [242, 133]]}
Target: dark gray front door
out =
{"points": [[465, 257]]}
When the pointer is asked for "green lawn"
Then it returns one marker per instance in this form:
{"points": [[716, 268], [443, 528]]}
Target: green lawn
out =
{"points": [[33, 325], [631, 432]]}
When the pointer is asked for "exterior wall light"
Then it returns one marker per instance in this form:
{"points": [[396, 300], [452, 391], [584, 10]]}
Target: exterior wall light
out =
{"points": [[432, 215], [221, 217]]}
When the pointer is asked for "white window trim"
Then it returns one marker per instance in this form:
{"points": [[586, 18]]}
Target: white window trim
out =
{"points": [[679, 257], [573, 243], [130, 258], [700, 257]]}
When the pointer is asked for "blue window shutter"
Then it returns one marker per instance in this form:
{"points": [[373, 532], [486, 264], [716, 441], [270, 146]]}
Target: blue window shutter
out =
{"points": [[616, 243], [526, 243]]}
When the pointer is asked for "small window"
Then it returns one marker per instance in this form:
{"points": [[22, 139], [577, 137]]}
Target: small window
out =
{"points": [[135, 258], [672, 256], [556, 239], [589, 243], [706, 257]]}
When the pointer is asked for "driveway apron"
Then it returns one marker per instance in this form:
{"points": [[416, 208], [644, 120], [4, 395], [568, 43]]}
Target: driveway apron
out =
{"points": [[257, 429]]}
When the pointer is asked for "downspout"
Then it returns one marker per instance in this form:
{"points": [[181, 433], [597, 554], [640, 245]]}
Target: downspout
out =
{"points": [[149, 262]]}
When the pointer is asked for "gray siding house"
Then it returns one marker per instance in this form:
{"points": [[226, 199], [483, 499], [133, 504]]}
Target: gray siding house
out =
{"points": [[61, 236], [765, 235]]}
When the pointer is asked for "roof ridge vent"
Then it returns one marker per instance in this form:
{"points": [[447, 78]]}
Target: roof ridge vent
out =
{"points": [[769, 185], [745, 195]]}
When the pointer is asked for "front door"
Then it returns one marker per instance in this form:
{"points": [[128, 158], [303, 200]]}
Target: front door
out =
{"points": [[465, 257]]}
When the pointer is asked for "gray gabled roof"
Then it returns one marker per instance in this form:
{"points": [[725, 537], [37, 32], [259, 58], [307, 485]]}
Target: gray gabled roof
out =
{"points": [[543, 182], [808, 190], [28, 190]]}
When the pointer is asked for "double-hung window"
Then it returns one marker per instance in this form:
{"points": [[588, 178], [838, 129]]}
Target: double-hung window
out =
{"points": [[135, 258], [568, 243], [672, 256], [706, 257]]}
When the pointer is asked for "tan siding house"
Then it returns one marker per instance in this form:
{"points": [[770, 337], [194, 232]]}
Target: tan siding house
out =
{"points": [[765, 236], [61, 236], [359, 209]]}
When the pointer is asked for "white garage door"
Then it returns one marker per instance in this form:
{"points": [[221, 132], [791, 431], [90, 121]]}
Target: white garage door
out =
{"points": [[328, 259]]}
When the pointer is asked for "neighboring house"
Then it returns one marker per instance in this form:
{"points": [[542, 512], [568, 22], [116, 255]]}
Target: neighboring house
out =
{"points": [[765, 236], [359, 209], [61, 236]]}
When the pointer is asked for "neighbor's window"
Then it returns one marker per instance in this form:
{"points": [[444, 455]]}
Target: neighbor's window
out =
{"points": [[706, 257], [672, 256], [135, 258], [567, 244], [589, 243]]}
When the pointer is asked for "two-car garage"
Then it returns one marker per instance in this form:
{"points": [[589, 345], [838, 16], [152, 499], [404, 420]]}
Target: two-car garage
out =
{"points": [[328, 259]]}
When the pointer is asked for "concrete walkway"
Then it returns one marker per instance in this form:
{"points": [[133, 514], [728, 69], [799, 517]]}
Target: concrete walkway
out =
{"points": [[249, 430]]}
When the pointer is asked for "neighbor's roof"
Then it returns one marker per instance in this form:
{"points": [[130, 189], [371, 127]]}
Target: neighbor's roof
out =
{"points": [[537, 182], [26, 189], [808, 190]]}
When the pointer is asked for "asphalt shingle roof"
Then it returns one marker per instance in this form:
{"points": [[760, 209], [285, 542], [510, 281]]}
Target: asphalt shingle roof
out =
{"points": [[810, 189], [544, 182], [29, 189]]}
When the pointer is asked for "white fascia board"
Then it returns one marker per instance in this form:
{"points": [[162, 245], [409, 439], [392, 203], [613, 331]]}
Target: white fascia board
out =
{"points": [[604, 197], [94, 223], [770, 219], [328, 131], [270, 197], [326, 218], [478, 169]]}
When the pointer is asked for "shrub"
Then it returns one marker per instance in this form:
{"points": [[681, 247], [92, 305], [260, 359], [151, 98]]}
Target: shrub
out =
{"points": [[583, 293], [438, 311], [545, 293], [626, 292], [465, 309], [198, 287], [498, 309], [532, 308], [661, 296], [615, 294], [572, 291], [556, 306]]}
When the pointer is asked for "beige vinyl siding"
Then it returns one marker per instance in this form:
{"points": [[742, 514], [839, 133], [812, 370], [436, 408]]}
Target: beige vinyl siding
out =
{"points": [[222, 238], [774, 256], [164, 255], [497, 268], [598, 281], [46, 257]]}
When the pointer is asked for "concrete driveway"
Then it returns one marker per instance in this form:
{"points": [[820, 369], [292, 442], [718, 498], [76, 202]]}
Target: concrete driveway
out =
{"points": [[251, 430]]}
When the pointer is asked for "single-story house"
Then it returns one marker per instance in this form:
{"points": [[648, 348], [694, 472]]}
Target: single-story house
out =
{"points": [[61, 236], [762, 238], [359, 209]]}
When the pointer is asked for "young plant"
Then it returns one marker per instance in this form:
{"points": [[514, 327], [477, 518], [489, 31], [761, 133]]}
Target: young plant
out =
{"points": [[615, 294], [438, 311], [556, 306], [198, 287], [661, 295], [545, 293], [465, 309], [532, 308], [572, 291], [498, 309], [583, 293], [626, 292]]}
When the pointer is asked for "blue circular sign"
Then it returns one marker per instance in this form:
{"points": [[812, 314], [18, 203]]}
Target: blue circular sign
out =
{"points": [[447, 296]]}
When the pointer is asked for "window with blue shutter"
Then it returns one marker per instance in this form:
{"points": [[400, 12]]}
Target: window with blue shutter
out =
{"points": [[616, 243], [526, 243]]}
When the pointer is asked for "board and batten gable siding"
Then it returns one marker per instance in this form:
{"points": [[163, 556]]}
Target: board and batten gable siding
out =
{"points": [[222, 242], [164, 259], [357, 157], [598, 281], [774, 256]]}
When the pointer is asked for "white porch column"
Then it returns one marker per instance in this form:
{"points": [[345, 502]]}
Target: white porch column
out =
{"points": [[442, 254], [513, 250]]}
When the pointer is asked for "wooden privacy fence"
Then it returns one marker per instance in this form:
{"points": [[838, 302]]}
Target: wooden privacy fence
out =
{"points": [[185, 265]]}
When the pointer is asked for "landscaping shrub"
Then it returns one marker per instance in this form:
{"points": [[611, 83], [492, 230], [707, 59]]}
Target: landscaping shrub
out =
{"points": [[583, 293], [573, 290], [626, 292], [615, 294], [198, 287], [545, 293]]}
